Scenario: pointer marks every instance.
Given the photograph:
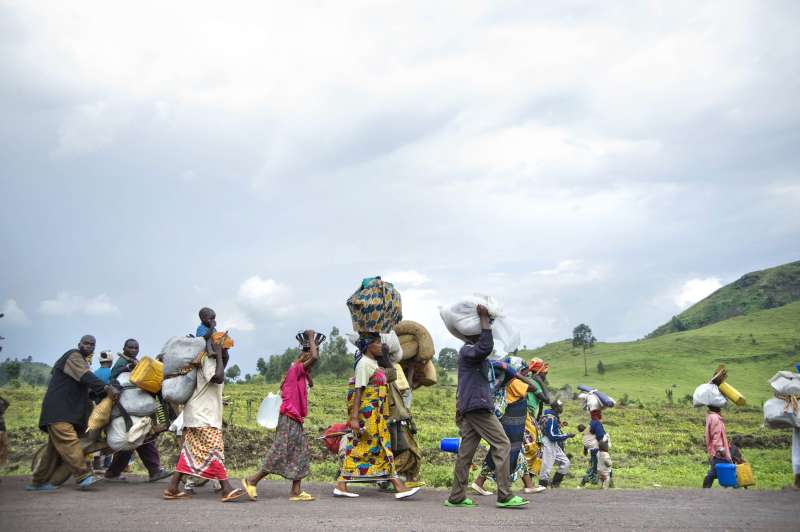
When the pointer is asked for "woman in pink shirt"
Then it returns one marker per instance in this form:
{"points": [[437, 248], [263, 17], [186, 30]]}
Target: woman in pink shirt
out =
{"points": [[288, 456]]}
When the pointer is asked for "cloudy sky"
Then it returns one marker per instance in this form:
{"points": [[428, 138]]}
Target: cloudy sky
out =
{"points": [[607, 163]]}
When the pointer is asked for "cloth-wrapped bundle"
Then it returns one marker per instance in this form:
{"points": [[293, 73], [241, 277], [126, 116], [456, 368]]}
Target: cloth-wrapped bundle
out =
{"points": [[179, 389], [708, 394], [376, 307]]}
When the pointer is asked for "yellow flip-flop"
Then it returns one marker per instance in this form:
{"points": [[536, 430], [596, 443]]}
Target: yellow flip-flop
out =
{"points": [[302, 497], [249, 489]]}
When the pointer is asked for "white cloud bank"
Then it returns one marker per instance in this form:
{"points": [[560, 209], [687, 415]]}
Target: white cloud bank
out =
{"points": [[694, 290], [14, 315], [68, 304]]}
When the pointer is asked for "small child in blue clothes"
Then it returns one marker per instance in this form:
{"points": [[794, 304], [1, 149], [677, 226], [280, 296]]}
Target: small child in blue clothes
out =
{"points": [[207, 327]]}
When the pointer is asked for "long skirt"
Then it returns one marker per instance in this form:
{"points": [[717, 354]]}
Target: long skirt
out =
{"points": [[288, 456], [513, 422], [532, 446], [368, 456], [203, 453]]}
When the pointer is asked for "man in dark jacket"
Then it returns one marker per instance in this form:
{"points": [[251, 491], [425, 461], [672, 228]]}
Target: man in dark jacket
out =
{"points": [[476, 419], [65, 413]]}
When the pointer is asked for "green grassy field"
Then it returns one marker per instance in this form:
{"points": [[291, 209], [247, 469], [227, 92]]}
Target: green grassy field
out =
{"points": [[655, 441], [653, 444]]}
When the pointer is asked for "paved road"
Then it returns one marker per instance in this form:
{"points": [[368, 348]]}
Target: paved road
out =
{"points": [[137, 506]]}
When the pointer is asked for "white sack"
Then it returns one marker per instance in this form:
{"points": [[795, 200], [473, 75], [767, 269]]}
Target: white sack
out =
{"points": [[786, 383], [708, 394], [590, 401], [179, 389], [179, 351], [133, 399], [121, 440], [776, 415], [462, 320]]}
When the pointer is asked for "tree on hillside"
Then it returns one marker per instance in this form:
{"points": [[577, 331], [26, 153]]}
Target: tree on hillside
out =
{"points": [[582, 337], [448, 358], [233, 372]]}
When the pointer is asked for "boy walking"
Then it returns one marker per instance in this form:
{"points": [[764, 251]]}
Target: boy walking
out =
{"points": [[476, 420], [719, 452]]}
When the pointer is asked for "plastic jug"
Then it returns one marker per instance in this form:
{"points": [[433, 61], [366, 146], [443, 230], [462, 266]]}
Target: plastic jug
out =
{"points": [[732, 394], [148, 375], [269, 411], [726, 475], [450, 445]]}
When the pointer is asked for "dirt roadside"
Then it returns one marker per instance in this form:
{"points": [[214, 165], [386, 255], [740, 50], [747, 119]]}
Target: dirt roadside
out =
{"points": [[137, 505]]}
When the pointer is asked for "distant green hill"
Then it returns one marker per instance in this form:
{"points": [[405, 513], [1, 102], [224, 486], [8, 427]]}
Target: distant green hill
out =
{"points": [[29, 372], [765, 289], [753, 347]]}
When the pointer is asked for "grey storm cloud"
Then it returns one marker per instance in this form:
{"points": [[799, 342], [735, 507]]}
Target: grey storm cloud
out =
{"points": [[582, 162]]}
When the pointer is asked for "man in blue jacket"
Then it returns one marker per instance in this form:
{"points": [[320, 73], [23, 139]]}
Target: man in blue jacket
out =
{"points": [[553, 453], [476, 419]]}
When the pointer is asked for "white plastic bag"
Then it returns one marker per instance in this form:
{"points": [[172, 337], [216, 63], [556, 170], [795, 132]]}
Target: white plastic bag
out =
{"points": [[462, 320], [786, 383], [393, 343], [269, 411], [120, 439], [779, 415], [177, 425], [708, 394]]}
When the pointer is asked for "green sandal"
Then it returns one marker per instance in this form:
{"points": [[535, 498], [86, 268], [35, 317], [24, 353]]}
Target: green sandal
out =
{"points": [[466, 503], [513, 502]]}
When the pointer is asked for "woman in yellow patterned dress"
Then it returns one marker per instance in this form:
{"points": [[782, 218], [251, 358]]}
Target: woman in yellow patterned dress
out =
{"points": [[368, 452]]}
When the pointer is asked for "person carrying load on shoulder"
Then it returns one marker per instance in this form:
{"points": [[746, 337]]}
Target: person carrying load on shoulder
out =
{"points": [[203, 448], [288, 456], [553, 454], [476, 419], [148, 451], [65, 413], [368, 455]]}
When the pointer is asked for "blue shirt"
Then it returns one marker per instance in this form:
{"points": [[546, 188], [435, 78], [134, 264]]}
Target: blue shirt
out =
{"points": [[596, 428], [202, 330], [104, 374]]}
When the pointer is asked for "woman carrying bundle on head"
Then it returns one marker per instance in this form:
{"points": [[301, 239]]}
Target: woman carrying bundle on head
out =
{"points": [[288, 456], [368, 455]]}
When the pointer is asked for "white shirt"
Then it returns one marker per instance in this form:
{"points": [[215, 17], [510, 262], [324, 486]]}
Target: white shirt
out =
{"points": [[204, 408]]}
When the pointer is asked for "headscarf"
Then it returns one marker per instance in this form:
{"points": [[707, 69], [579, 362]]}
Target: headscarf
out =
{"points": [[537, 365], [364, 339], [516, 362]]}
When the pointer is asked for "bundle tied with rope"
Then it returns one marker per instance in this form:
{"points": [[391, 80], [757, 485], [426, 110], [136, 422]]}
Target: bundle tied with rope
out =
{"points": [[418, 351], [783, 410]]}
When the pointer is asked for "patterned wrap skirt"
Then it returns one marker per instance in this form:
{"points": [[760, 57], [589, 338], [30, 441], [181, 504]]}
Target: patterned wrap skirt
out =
{"points": [[513, 422], [288, 456], [368, 456], [202, 453]]}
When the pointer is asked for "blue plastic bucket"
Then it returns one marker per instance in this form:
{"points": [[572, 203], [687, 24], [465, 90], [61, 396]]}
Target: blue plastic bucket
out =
{"points": [[797, 367], [450, 445], [726, 475]]}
